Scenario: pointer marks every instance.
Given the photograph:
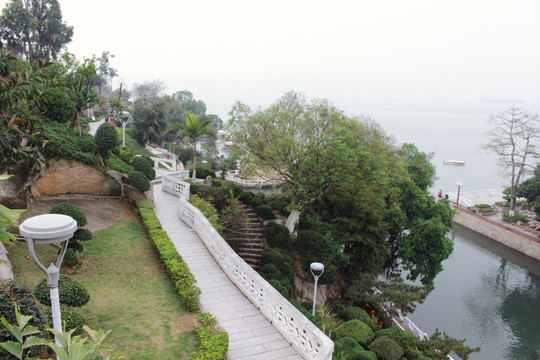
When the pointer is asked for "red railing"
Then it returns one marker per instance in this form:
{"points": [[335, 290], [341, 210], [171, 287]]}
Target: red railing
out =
{"points": [[509, 228]]}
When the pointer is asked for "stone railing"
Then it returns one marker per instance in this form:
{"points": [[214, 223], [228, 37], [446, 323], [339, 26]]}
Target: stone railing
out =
{"points": [[306, 338], [172, 183], [252, 183], [169, 164]]}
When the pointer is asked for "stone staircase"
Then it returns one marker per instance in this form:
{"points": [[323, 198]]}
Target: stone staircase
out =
{"points": [[251, 243]]}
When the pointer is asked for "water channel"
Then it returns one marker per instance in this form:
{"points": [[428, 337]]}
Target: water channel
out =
{"points": [[487, 293]]}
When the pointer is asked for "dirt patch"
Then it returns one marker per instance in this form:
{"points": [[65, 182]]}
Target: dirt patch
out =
{"points": [[100, 212]]}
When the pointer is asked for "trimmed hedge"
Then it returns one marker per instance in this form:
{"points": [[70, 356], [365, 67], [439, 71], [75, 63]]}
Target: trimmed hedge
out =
{"points": [[145, 165], [265, 212], [277, 235], [139, 180], [71, 319], [403, 338], [175, 266], [214, 343], [72, 210]]}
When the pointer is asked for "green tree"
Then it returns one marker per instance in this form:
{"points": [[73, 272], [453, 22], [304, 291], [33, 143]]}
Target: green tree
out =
{"points": [[34, 29], [148, 91], [513, 139], [56, 105], [148, 122], [197, 107], [530, 190], [193, 129]]}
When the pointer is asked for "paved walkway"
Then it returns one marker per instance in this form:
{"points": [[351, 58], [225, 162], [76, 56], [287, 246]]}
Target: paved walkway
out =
{"points": [[251, 336]]}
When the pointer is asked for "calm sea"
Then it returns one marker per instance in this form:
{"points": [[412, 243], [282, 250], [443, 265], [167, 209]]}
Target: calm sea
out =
{"points": [[487, 293]]}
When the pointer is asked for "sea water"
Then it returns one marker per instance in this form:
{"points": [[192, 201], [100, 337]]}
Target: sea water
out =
{"points": [[487, 293]]}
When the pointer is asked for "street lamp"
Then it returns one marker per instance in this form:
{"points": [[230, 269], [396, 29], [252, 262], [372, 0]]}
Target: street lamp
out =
{"points": [[317, 270], [49, 229], [459, 183]]}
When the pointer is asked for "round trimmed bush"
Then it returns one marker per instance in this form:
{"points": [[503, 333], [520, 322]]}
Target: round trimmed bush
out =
{"points": [[358, 330], [72, 210], [70, 258], [72, 292], [357, 313], [12, 291], [265, 212], [277, 235], [403, 338], [145, 165], [75, 245], [71, 319], [386, 348], [282, 261], [202, 172], [57, 105], [82, 235], [106, 138], [270, 271], [346, 344], [139, 180]]}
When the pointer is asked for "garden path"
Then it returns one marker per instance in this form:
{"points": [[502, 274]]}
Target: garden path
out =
{"points": [[251, 335]]}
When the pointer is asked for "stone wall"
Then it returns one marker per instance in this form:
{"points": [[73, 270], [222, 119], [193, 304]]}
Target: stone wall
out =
{"points": [[506, 237], [72, 177]]}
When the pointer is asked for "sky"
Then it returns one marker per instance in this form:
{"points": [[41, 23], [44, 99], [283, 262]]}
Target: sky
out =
{"points": [[348, 51]]}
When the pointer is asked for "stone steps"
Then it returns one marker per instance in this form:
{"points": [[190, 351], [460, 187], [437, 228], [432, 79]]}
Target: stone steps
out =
{"points": [[251, 242]]}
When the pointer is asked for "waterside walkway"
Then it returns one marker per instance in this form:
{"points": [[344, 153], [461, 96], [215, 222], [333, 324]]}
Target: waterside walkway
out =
{"points": [[251, 335]]}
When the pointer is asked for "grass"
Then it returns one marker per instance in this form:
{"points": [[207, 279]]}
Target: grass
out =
{"points": [[132, 143], [130, 293]]}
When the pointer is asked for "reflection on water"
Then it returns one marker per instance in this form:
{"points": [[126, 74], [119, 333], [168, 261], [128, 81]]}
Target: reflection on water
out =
{"points": [[488, 294]]}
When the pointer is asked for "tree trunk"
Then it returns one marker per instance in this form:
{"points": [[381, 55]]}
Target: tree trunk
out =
{"points": [[194, 160]]}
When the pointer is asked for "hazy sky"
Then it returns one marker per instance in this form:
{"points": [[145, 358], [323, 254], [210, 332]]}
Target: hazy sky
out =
{"points": [[346, 51]]}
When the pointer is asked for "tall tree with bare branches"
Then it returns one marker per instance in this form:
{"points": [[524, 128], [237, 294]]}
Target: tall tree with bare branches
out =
{"points": [[513, 139]]}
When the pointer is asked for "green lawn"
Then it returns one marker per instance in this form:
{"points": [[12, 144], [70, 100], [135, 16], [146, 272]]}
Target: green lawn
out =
{"points": [[130, 293]]}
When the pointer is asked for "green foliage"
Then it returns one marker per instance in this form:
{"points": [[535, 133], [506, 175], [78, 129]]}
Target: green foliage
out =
{"points": [[57, 105], [386, 348], [71, 319], [22, 332], [282, 261], [14, 293], [70, 257], [482, 206], [7, 218], [515, 218], [487, 210], [82, 235], [175, 266], [72, 293], [439, 346], [145, 165], [65, 143], [77, 348], [357, 313], [214, 343], [208, 211], [403, 338], [347, 345], [277, 235], [72, 210], [357, 330], [139, 180], [148, 122], [203, 172], [530, 189], [265, 212], [280, 202], [106, 138], [115, 163]]}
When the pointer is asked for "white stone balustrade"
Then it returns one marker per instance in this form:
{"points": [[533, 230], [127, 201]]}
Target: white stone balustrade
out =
{"points": [[305, 337]]}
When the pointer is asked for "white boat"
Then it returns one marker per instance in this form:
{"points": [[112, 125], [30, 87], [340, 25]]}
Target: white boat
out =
{"points": [[453, 162]]}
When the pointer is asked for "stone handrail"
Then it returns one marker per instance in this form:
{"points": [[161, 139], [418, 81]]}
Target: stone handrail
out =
{"points": [[305, 337], [169, 164], [252, 183]]}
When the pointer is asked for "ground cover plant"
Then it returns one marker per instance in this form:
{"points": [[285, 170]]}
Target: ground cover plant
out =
{"points": [[130, 293]]}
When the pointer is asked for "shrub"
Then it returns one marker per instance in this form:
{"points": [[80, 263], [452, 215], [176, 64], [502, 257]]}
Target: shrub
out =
{"points": [[208, 210], [363, 355], [117, 164], [75, 245], [70, 258], [14, 292], [139, 180], [265, 212], [82, 235], [66, 143], [202, 172], [145, 165], [386, 348], [358, 330], [482, 206], [279, 202], [277, 235], [72, 292], [357, 313], [485, 210], [106, 138], [270, 271], [72, 210], [71, 319], [346, 344], [214, 343], [57, 105], [278, 285], [514, 219], [403, 338], [282, 261]]}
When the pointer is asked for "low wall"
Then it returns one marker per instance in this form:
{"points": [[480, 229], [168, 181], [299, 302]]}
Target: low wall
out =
{"points": [[305, 337], [527, 245]]}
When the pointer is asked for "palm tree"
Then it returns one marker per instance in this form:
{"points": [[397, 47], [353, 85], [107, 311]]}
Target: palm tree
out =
{"points": [[193, 129]]}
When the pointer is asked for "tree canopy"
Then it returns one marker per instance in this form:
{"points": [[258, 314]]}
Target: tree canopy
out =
{"points": [[33, 29], [345, 172], [513, 139]]}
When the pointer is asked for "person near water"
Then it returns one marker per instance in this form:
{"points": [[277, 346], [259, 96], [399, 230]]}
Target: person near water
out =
{"points": [[440, 194]]}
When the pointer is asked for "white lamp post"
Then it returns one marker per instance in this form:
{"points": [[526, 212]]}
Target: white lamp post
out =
{"points": [[49, 229], [317, 270]]}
